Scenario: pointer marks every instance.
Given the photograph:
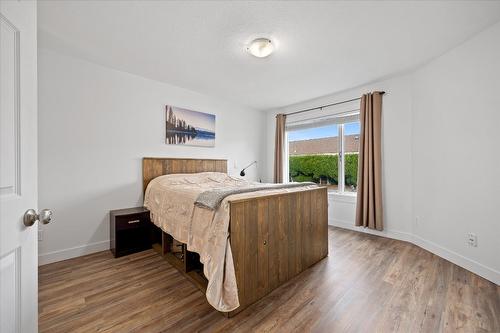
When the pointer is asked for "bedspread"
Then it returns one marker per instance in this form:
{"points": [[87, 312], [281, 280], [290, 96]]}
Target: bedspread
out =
{"points": [[171, 201]]}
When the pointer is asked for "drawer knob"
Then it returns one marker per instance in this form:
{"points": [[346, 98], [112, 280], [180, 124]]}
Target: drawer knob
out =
{"points": [[134, 221], [265, 242]]}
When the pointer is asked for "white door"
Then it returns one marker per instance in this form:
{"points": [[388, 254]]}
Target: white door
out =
{"points": [[18, 166]]}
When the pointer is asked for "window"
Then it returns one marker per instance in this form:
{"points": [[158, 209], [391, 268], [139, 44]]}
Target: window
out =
{"points": [[324, 150]]}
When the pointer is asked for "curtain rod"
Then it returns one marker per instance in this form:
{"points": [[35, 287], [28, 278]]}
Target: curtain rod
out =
{"points": [[328, 105], [344, 113]]}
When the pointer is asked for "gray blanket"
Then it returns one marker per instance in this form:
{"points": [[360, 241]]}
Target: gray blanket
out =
{"points": [[213, 198]]}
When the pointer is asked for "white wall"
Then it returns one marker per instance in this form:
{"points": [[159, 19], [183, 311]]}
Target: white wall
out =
{"points": [[95, 125], [441, 155], [456, 149], [439, 150], [396, 157]]}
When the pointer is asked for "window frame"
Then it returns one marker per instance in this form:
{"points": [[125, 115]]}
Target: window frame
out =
{"points": [[341, 158], [341, 171]]}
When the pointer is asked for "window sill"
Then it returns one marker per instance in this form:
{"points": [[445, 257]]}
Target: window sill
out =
{"points": [[346, 194], [347, 197]]}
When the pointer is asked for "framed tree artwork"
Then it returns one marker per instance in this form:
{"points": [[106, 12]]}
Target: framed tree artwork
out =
{"points": [[189, 128]]}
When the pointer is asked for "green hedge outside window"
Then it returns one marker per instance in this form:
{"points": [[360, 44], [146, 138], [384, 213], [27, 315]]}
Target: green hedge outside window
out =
{"points": [[316, 167]]}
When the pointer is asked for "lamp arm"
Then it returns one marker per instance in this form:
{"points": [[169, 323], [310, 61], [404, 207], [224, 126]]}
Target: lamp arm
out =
{"points": [[242, 172], [254, 162]]}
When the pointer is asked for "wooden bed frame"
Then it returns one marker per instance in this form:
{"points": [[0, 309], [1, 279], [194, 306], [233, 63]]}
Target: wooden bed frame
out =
{"points": [[273, 237]]}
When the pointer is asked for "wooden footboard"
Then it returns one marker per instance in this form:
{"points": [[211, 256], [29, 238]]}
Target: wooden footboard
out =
{"points": [[274, 238]]}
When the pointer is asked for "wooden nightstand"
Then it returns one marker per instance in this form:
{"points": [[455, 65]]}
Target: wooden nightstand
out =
{"points": [[129, 230]]}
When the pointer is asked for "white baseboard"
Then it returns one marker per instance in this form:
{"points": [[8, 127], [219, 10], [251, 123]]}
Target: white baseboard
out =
{"points": [[72, 252], [459, 260], [400, 235], [470, 265]]}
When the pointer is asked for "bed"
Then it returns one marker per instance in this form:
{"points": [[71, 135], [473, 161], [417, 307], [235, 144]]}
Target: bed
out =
{"points": [[272, 235]]}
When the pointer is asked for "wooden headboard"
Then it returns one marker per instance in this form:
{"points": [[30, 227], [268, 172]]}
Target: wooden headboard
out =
{"points": [[153, 167]]}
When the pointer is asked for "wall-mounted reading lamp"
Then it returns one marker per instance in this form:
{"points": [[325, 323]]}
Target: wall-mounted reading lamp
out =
{"points": [[242, 173]]}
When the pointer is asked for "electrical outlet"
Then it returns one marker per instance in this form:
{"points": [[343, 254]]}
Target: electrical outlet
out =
{"points": [[472, 239], [40, 235]]}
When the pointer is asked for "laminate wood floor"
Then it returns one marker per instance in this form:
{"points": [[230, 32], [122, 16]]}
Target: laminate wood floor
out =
{"points": [[367, 284]]}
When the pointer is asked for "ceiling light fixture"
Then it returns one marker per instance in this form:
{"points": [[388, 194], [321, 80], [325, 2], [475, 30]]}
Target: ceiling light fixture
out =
{"points": [[261, 47]]}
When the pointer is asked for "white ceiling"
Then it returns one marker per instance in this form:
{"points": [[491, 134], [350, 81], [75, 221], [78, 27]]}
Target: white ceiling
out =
{"points": [[322, 47]]}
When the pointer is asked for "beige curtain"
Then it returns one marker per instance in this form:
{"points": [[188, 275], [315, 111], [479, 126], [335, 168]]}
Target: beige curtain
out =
{"points": [[369, 204], [279, 145]]}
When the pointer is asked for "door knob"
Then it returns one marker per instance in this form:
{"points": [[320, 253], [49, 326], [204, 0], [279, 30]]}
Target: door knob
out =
{"points": [[30, 217]]}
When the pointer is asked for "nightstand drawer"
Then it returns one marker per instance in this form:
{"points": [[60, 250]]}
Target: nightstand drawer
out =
{"points": [[130, 231], [131, 221]]}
